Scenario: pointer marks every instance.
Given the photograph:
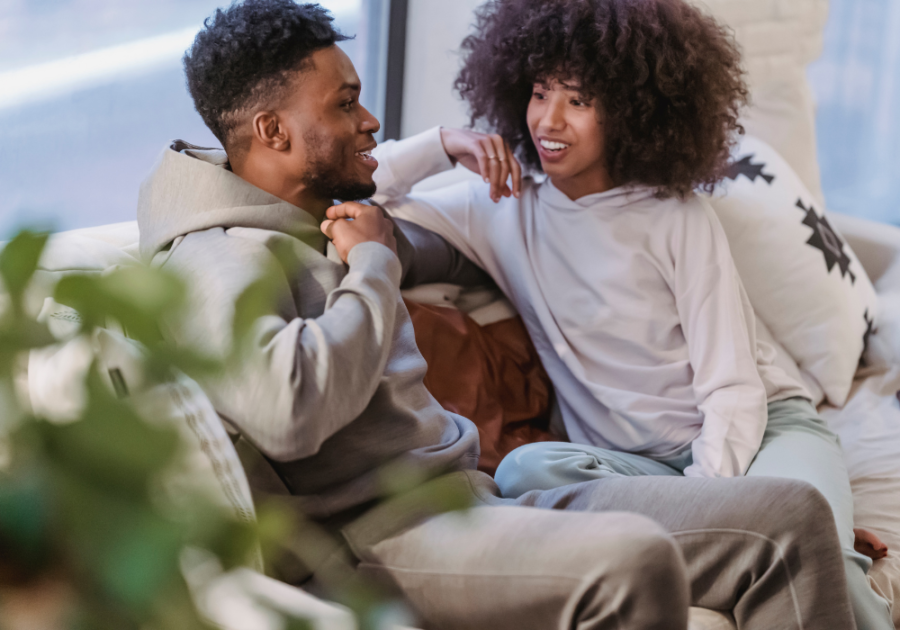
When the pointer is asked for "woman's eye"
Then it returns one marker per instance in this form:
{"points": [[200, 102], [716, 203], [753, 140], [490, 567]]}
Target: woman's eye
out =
{"points": [[537, 95], [576, 102]]}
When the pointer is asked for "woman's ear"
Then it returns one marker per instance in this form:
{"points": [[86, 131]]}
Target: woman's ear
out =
{"points": [[270, 131]]}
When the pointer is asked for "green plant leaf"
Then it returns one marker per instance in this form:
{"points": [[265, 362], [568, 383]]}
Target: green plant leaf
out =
{"points": [[25, 517], [112, 447], [18, 262], [138, 298]]}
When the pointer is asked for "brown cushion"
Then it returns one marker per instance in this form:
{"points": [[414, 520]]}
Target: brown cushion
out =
{"points": [[491, 375]]}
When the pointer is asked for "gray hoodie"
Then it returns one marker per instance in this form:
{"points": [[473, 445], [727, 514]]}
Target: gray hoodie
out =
{"points": [[332, 388]]}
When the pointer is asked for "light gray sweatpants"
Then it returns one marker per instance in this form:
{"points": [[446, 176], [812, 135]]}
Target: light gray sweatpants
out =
{"points": [[626, 553], [797, 445]]}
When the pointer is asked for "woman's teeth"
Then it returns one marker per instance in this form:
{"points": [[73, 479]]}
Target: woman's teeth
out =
{"points": [[553, 146]]}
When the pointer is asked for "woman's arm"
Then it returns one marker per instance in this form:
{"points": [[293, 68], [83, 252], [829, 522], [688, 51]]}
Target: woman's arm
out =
{"points": [[718, 324], [454, 212], [404, 163]]}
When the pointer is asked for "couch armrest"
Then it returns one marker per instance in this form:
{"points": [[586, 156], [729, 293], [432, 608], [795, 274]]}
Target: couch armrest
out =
{"points": [[877, 245]]}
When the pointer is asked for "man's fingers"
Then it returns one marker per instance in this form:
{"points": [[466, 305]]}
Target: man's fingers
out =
{"points": [[348, 210], [326, 227]]}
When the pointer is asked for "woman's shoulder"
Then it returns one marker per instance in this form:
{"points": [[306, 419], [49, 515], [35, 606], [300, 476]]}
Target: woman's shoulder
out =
{"points": [[692, 210]]}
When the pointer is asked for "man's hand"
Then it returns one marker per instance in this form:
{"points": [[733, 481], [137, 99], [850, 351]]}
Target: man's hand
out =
{"points": [[487, 155], [351, 223]]}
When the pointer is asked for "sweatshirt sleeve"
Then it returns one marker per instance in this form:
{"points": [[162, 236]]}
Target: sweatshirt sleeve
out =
{"points": [[404, 163], [427, 257], [299, 380], [448, 211], [718, 324]]}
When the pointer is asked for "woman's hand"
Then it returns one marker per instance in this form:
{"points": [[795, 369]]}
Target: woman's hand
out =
{"points": [[487, 155]]}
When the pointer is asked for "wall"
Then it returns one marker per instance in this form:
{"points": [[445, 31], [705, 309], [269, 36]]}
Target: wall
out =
{"points": [[435, 29]]}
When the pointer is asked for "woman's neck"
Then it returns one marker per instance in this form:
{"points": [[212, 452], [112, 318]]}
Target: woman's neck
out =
{"points": [[584, 184]]}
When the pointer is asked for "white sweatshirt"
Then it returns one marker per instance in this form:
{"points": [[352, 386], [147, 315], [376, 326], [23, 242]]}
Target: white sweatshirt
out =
{"points": [[633, 303]]}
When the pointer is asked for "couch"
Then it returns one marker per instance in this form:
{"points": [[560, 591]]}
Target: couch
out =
{"points": [[868, 424]]}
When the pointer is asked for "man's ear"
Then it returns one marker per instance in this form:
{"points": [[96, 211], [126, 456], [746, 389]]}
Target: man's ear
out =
{"points": [[270, 131]]}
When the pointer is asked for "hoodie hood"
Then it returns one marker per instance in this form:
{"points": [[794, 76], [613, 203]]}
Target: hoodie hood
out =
{"points": [[191, 189]]}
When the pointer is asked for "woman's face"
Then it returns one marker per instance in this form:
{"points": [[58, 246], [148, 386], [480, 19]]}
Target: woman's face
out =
{"points": [[567, 130]]}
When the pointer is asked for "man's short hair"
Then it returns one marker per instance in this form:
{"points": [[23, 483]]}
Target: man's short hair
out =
{"points": [[243, 58]]}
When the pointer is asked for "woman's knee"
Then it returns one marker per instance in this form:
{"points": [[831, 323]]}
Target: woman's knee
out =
{"points": [[535, 466]]}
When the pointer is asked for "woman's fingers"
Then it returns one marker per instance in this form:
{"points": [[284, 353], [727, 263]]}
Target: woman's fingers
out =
{"points": [[503, 160], [487, 145], [515, 172], [326, 227], [483, 163], [488, 155]]}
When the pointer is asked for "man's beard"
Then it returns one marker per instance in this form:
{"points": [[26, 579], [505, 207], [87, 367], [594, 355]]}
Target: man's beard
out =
{"points": [[326, 177]]}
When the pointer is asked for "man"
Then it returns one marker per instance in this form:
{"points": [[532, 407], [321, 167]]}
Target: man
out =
{"points": [[331, 390]]}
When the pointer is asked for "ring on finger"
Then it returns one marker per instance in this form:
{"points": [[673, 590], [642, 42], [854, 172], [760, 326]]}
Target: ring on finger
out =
{"points": [[492, 157]]}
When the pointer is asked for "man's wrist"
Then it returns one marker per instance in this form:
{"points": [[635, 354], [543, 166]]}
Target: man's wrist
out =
{"points": [[375, 255]]}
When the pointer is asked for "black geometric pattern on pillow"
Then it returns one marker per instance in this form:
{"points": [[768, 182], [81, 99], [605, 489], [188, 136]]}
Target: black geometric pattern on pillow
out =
{"points": [[825, 239], [870, 330], [749, 170]]}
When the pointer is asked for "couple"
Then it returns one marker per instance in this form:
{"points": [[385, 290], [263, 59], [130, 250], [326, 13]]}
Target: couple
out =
{"points": [[332, 390]]}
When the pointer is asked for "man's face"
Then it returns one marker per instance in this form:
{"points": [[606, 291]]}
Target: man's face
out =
{"points": [[331, 132]]}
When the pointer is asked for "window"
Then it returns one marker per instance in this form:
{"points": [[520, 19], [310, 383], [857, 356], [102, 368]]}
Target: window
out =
{"points": [[92, 90], [857, 88]]}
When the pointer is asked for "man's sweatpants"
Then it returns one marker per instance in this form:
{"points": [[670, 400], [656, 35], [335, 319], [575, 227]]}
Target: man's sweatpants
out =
{"points": [[625, 553]]}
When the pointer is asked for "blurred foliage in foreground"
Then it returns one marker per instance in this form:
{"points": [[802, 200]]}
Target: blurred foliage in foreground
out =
{"points": [[87, 536]]}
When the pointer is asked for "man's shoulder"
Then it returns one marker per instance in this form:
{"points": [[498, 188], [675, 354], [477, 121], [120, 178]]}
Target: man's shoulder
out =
{"points": [[218, 256]]}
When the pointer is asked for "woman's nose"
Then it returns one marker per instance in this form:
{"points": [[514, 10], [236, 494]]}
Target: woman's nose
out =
{"points": [[553, 117]]}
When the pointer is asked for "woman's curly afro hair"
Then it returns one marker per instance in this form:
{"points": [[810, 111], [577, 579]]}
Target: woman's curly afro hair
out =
{"points": [[244, 56], [667, 76]]}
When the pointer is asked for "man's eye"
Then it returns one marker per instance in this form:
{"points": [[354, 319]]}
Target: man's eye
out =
{"points": [[348, 104]]}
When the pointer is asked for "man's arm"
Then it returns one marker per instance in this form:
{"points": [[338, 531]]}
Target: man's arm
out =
{"points": [[299, 380]]}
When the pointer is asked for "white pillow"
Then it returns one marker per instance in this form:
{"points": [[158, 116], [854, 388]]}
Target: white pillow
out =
{"points": [[803, 280]]}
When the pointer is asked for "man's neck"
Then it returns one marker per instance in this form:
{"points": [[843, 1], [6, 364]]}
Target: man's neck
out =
{"points": [[267, 177]]}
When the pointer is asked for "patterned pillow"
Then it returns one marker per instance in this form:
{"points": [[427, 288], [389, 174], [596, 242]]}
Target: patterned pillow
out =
{"points": [[803, 280]]}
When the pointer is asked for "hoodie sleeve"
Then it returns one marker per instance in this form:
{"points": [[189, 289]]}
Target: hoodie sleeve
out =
{"points": [[300, 379], [404, 163], [718, 325], [452, 212]]}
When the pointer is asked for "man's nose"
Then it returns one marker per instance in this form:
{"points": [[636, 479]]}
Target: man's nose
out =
{"points": [[369, 124]]}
